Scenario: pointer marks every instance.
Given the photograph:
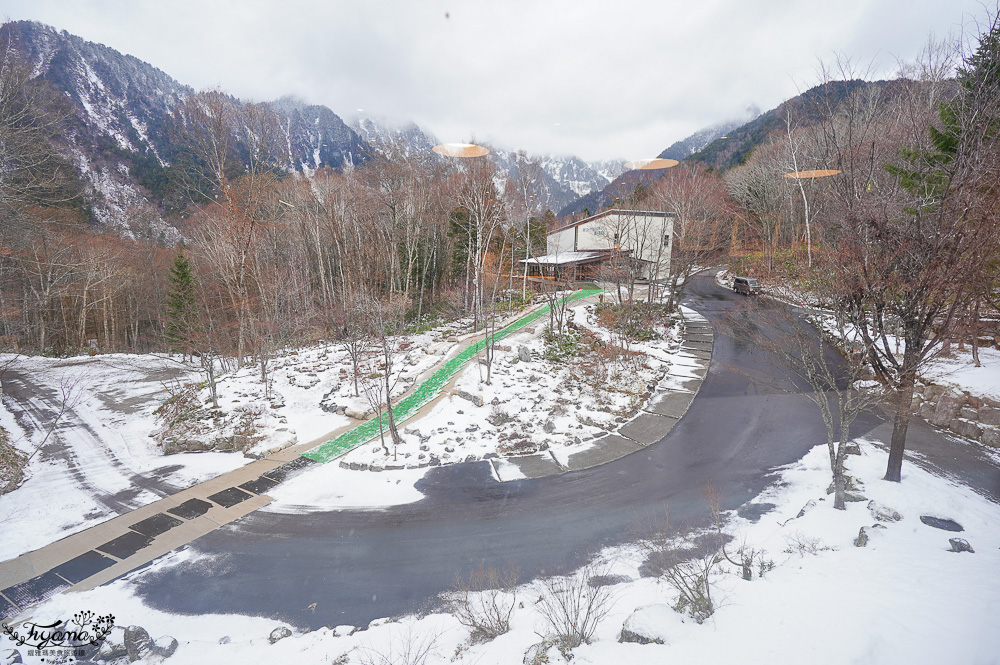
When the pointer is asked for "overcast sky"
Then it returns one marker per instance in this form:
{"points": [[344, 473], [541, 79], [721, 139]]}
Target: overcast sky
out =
{"points": [[615, 78]]}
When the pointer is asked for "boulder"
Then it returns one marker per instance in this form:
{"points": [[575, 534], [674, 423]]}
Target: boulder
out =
{"points": [[991, 437], [960, 545], [187, 445], [475, 399], [852, 449], [989, 415], [948, 408], [944, 523], [968, 413], [850, 485], [279, 633], [865, 534], [343, 630], [969, 430], [883, 513], [523, 354], [648, 624], [549, 427], [355, 412], [932, 392], [113, 646], [926, 411], [165, 646], [138, 643]]}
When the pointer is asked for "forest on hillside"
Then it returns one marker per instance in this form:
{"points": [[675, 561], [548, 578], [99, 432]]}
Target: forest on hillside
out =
{"points": [[272, 259]]}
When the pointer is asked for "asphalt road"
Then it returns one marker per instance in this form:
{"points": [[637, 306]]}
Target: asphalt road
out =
{"points": [[360, 565]]}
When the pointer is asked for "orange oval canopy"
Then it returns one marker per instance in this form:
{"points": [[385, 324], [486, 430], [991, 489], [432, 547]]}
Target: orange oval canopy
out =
{"points": [[651, 164], [461, 150], [820, 173]]}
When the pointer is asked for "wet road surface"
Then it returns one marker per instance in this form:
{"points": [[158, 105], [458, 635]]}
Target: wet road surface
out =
{"points": [[360, 565]]}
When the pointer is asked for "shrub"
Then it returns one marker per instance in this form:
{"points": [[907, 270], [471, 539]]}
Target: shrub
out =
{"points": [[638, 321], [573, 608], [484, 602], [12, 462], [560, 347]]}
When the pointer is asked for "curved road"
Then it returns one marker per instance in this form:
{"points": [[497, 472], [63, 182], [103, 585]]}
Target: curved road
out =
{"points": [[357, 566], [349, 567]]}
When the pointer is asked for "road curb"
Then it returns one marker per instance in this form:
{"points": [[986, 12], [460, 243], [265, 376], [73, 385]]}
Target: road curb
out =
{"points": [[644, 428]]}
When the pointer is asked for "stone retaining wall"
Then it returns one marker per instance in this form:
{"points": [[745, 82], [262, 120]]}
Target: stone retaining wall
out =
{"points": [[973, 417]]}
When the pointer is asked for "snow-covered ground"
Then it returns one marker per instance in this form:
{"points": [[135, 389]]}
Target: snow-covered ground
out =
{"points": [[538, 403], [103, 457], [904, 598], [959, 371], [106, 454], [311, 390], [100, 459]]}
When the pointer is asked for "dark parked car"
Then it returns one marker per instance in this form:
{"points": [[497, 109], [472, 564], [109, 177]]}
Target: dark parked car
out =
{"points": [[748, 286]]}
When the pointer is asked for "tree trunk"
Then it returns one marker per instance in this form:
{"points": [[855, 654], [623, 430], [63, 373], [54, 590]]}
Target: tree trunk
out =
{"points": [[900, 423], [393, 432]]}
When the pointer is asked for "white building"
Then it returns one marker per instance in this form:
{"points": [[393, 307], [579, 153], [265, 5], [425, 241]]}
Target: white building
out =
{"points": [[585, 246]]}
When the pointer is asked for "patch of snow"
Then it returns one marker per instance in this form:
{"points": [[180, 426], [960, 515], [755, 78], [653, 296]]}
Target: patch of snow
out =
{"points": [[328, 487], [959, 371], [97, 448], [902, 599]]}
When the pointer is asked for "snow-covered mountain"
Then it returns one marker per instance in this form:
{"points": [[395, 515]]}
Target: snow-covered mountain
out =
{"points": [[623, 183], [579, 176], [379, 132], [315, 136], [121, 133], [692, 144], [559, 180], [119, 118]]}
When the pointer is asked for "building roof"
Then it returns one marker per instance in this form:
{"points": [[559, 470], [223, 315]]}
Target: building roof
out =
{"points": [[612, 211], [576, 258], [565, 258]]}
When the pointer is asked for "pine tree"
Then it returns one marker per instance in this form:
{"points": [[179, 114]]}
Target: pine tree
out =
{"points": [[180, 305]]}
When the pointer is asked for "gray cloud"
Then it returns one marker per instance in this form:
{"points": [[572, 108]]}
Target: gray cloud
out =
{"points": [[616, 78]]}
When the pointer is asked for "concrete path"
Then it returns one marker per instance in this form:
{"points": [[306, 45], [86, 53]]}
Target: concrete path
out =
{"points": [[103, 552]]}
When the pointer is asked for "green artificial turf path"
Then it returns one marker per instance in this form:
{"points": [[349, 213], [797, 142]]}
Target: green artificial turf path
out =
{"points": [[409, 406]]}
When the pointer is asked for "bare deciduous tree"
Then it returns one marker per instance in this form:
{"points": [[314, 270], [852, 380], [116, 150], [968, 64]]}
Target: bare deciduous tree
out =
{"points": [[839, 385], [384, 326]]}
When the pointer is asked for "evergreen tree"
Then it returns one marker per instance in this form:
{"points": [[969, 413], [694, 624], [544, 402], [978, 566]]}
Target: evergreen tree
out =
{"points": [[180, 305]]}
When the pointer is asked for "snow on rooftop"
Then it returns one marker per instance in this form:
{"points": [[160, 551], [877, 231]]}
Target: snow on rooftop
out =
{"points": [[563, 258]]}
